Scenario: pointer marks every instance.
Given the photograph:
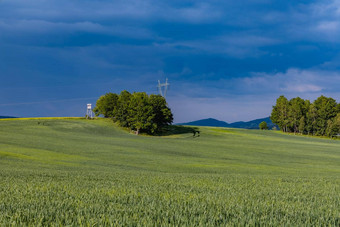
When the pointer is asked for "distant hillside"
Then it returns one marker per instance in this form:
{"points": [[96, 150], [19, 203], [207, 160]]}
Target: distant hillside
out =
{"points": [[207, 122], [6, 117], [254, 124]]}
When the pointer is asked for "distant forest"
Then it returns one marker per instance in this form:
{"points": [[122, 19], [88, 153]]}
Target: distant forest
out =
{"points": [[321, 118], [138, 111]]}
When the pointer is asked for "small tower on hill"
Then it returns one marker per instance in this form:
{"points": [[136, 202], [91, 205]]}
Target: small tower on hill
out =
{"points": [[89, 112]]}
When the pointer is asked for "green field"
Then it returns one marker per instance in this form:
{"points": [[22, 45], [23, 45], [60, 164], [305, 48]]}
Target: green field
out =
{"points": [[90, 172]]}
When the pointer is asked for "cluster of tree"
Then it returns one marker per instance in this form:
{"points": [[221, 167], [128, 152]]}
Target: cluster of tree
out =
{"points": [[138, 111], [321, 118]]}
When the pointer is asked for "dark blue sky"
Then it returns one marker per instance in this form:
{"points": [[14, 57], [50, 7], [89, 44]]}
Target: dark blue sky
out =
{"points": [[224, 59]]}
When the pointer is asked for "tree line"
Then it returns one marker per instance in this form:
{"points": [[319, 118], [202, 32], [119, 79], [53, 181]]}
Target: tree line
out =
{"points": [[321, 118], [138, 111]]}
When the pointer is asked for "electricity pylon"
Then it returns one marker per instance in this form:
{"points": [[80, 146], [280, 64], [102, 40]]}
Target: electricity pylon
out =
{"points": [[163, 88]]}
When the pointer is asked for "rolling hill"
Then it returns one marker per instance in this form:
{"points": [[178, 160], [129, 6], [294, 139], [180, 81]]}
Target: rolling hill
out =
{"points": [[207, 122], [2, 117], [254, 124], [72, 171]]}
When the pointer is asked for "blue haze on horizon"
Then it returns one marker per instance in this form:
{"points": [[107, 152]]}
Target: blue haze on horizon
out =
{"points": [[227, 60]]}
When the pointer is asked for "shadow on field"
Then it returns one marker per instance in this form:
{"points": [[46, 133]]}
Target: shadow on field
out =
{"points": [[180, 129]]}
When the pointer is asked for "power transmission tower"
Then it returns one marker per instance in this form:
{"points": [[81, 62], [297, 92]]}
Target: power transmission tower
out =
{"points": [[163, 88]]}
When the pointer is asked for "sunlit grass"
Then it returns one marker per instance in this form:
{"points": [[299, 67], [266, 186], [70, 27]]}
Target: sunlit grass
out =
{"points": [[89, 172]]}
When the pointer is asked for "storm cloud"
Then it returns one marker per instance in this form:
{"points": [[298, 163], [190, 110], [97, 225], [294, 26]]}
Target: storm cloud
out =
{"points": [[224, 59]]}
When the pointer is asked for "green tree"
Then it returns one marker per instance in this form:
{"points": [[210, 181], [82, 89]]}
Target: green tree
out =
{"points": [[279, 113], [137, 111], [302, 125], [336, 122], [163, 115], [333, 126], [297, 109], [121, 113], [263, 125], [140, 113], [298, 115], [106, 105], [311, 118], [326, 109]]}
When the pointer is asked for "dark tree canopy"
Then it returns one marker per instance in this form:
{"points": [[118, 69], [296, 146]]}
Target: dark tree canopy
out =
{"points": [[121, 113], [301, 116], [137, 111], [140, 113], [163, 115], [263, 125]]}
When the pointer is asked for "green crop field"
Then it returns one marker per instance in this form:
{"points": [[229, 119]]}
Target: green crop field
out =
{"points": [[90, 172]]}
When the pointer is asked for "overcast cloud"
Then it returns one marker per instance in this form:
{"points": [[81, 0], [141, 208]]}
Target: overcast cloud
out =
{"points": [[224, 59]]}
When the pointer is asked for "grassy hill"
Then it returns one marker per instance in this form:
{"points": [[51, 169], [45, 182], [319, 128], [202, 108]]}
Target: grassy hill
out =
{"points": [[76, 172]]}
